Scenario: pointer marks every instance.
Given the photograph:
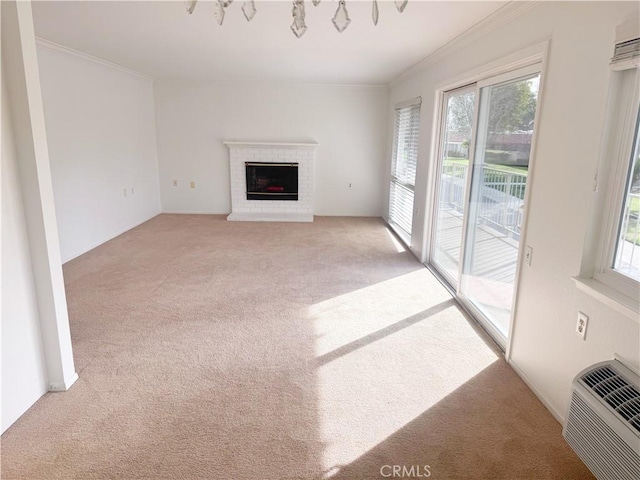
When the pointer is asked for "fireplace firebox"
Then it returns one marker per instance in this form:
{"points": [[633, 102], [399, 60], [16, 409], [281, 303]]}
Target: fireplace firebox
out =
{"points": [[272, 181]]}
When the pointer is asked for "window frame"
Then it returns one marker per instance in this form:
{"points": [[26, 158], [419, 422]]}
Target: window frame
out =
{"points": [[618, 154], [394, 180]]}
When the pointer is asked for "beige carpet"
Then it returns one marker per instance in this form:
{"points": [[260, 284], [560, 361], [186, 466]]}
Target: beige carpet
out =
{"points": [[217, 350]]}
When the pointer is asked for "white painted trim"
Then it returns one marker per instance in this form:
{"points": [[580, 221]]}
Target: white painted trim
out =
{"points": [[63, 387], [494, 21], [621, 129], [23, 80], [409, 103], [309, 145], [117, 234], [520, 63], [519, 59], [542, 57], [523, 376], [434, 173], [269, 83], [510, 75], [610, 296], [191, 212], [56, 47], [625, 64], [270, 217]]}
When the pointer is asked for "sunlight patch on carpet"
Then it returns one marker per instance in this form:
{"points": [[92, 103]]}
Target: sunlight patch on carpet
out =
{"points": [[396, 243], [386, 354]]}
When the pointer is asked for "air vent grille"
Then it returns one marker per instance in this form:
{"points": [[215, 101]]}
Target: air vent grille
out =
{"points": [[626, 50], [616, 392]]}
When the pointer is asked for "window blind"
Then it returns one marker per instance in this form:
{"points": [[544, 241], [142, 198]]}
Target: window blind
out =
{"points": [[626, 55], [403, 167]]}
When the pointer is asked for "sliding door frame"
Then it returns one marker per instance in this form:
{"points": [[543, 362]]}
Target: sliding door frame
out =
{"points": [[534, 57], [439, 160]]}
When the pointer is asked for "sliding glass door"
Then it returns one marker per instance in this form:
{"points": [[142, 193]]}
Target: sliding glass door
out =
{"points": [[479, 210], [452, 186]]}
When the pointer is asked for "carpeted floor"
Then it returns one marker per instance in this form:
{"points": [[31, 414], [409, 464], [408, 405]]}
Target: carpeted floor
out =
{"points": [[209, 349]]}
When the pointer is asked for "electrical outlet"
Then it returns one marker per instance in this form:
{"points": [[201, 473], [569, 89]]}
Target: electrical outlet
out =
{"points": [[528, 253], [581, 326], [125, 192], [175, 183], [193, 185], [132, 191]]}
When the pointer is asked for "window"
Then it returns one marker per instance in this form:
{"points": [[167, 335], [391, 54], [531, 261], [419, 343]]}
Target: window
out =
{"points": [[627, 252], [403, 168], [619, 265]]}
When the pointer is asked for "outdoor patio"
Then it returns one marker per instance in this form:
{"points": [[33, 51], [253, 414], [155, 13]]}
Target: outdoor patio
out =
{"points": [[489, 279]]}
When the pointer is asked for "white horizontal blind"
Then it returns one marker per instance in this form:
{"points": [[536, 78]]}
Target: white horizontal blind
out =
{"points": [[626, 51], [403, 167]]}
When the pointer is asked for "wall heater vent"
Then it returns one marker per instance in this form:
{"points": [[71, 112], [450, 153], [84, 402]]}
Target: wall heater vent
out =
{"points": [[603, 423]]}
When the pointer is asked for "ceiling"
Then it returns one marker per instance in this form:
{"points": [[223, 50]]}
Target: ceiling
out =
{"points": [[161, 40]]}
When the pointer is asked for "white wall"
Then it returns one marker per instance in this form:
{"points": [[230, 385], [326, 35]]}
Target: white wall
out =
{"points": [[545, 347], [348, 123], [100, 127], [32, 282], [24, 373]]}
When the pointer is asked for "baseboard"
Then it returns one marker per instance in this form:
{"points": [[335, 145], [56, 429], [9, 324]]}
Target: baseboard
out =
{"points": [[536, 392], [63, 386], [111, 237], [191, 212]]}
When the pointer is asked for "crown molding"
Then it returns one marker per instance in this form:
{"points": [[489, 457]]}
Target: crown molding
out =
{"points": [[494, 21], [56, 47], [267, 83]]}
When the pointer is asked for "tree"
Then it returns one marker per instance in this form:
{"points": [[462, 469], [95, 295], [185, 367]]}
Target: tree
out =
{"points": [[460, 115], [512, 108]]}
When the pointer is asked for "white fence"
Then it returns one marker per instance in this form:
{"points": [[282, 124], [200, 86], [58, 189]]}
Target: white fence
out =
{"points": [[628, 255], [500, 200], [500, 203]]}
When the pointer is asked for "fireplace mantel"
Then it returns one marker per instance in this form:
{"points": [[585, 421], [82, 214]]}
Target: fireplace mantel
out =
{"points": [[243, 209]]}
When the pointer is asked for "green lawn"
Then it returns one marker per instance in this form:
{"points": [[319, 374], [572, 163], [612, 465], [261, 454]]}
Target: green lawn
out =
{"points": [[497, 177], [633, 233], [635, 205], [502, 168]]}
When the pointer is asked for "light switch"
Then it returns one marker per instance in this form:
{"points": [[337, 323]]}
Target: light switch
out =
{"points": [[528, 253]]}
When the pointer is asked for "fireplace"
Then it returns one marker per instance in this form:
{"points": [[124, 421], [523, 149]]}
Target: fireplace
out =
{"points": [[271, 181], [278, 158]]}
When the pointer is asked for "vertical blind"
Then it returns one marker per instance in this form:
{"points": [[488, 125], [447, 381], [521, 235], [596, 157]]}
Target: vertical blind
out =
{"points": [[403, 167]]}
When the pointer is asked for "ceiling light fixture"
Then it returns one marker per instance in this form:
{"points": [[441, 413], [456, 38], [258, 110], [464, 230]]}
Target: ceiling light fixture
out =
{"points": [[340, 20]]}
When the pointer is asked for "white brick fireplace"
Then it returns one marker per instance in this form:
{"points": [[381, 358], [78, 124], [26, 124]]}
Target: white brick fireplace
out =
{"points": [[300, 210]]}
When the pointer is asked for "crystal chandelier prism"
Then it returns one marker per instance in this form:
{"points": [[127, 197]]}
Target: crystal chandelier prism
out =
{"points": [[298, 27], [340, 20], [249, 9]]}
